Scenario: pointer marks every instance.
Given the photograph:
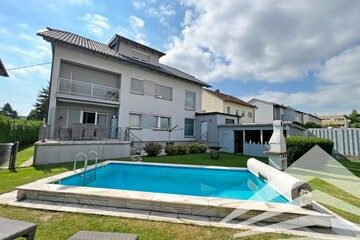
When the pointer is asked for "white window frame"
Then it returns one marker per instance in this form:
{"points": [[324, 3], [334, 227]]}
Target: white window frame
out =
{"points": [[228, 110], [140, 120], [242, 113], [162, 97], [194, 102], [158, 122], [250, 115], [136, 92], [189, 136]]}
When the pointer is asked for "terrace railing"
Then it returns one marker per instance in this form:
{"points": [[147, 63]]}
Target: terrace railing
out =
{"points": [[83, 89]]}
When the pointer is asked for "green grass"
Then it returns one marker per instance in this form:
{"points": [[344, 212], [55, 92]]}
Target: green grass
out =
{"points": [[24, 153], [61, 225]]}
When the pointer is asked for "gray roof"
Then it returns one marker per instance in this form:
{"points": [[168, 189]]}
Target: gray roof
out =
{"points": [[67, 38], [3, 71]]}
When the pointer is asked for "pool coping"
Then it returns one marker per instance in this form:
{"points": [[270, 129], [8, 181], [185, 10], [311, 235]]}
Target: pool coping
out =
{"points": [[43, 189]]}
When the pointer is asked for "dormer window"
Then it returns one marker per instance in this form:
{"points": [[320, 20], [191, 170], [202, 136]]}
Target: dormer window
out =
{"points": [[140, 56]]}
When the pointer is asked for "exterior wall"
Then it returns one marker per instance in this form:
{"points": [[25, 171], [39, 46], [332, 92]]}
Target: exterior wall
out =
{"points": [[240, 108], [289, 115], [126, 49], [264, 111], [346, 141], [213, 120], [299, 117], [310, 118], [145, 104], [51, 153], [211, 103], [336, 120]]}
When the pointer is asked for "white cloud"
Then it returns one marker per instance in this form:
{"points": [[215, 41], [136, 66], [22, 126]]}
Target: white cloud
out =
{"points": [[274, 41], [96, 23], [163, 12], [139, 4], [136, 22]]}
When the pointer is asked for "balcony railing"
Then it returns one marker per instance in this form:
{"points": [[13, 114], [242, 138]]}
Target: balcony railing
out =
{"points": [[77, 88]]}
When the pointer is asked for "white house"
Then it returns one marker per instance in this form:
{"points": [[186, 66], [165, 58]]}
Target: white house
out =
{"points": [[121, 87], [270, 111]]}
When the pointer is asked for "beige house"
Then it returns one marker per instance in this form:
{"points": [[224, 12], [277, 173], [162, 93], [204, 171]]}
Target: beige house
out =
{"points": [[215, 101], [335, 120]]}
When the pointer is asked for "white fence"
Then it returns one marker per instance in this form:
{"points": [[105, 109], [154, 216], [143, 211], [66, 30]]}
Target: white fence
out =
{"points": [[255, 150], [346, 141]]}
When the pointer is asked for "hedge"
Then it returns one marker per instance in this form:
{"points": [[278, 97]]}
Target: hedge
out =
{"points": [[24, 131], [297, 146]]}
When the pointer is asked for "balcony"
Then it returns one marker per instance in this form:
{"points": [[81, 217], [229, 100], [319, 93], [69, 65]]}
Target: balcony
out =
{"points": [[82, 89]]}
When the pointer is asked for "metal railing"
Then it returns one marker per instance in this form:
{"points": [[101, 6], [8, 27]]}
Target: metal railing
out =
{"points": [[83, 89], [125, 134]]}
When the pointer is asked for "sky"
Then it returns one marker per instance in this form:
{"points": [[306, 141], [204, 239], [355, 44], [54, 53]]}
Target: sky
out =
{"points": [[301, 53]]}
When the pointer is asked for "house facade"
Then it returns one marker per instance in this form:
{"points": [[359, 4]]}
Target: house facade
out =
{"points": [[270, 111], [335, 120], [119, 88], [216, 101]]}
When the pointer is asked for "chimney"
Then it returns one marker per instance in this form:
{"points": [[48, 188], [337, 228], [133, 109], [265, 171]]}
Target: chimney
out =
{"points": [[217, 91]]}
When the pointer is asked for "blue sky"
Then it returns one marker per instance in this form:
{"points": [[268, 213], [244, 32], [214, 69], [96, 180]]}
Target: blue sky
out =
{"points": [[305, 54]]}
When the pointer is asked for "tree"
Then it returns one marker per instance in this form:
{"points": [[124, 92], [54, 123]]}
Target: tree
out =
{"points": [[354, 118], [312, 125], [8, 111], [41, 106]]}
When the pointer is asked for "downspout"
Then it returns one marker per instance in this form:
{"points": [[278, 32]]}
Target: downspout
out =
{"points": [[50, 82]]}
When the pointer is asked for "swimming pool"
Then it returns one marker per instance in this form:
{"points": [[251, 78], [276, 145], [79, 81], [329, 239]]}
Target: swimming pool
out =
{"points": [[194, 181]]}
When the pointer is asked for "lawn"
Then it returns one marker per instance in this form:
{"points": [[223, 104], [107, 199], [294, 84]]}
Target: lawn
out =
{"points": [[70, 223], [24, 153]]}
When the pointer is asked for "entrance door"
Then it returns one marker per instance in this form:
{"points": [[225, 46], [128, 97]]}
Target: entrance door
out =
{"points": [[102, 119], [204, 131], [239, 142]]}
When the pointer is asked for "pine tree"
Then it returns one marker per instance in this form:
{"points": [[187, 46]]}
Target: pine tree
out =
{"points": [[354, 118], [41, 105], [8, 111]]}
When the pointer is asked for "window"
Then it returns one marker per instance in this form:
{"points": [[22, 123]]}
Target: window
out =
{"points": [[237, 112], [163, 92], [88, 117], [250, 114], [243, 113], [189, 127], [229, 121], [228, 110], [140, 56], [162, 122], [134, 120], [190, 100], [137, 86]]}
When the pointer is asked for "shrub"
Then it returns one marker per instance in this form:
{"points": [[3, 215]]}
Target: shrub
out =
{"points": [[152, 149], [197, 147], [182, 149], [297, 146], [171, 150], [23, 131]]}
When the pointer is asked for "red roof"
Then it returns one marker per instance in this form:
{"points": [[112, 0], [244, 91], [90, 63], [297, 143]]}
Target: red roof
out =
{"points": [[229, 98]]}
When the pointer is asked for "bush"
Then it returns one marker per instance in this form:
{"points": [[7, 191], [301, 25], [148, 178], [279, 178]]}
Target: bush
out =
{"points": [[297, 146], [171, 150], [152, 149], [182, 149], [197, 147], [23, 131]]}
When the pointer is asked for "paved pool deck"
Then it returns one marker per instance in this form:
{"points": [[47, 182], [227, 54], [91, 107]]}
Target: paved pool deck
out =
{"points": [[343, 230]]}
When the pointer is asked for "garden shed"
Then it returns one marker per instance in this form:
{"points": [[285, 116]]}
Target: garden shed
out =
{"points": [[252, 138]]}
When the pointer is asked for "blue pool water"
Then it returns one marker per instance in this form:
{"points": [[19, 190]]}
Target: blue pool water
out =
{"points": [[221, 183]]}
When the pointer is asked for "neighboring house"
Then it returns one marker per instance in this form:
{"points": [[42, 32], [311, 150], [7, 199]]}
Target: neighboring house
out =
{"points": [[335, 120], [120, 86], [270, 111], [215, 101], [206, 130], [3, 71]]}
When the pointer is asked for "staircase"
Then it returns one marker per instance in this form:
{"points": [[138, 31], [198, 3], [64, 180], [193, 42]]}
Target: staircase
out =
{"points": [[125, 134]]}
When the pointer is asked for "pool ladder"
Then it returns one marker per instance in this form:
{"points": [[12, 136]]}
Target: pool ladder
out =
{"points": [[87, 176]]}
